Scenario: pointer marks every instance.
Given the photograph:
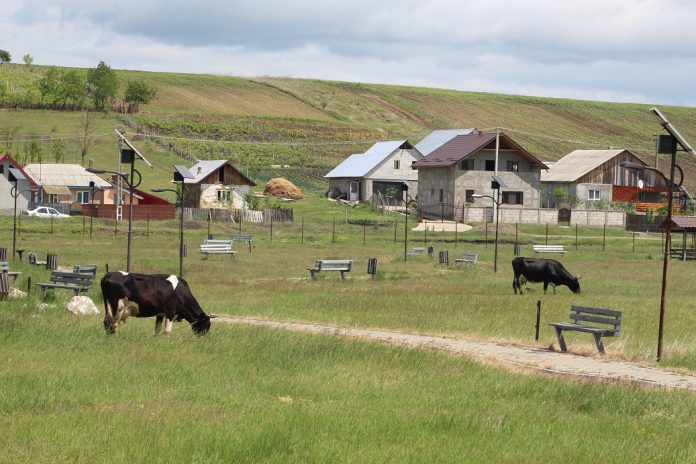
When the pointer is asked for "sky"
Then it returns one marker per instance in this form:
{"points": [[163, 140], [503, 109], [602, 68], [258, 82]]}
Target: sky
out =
{"points": [[640, 51]]}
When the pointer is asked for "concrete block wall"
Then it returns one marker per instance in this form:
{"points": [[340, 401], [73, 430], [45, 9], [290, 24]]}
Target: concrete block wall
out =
{"points": [[547, 216]]}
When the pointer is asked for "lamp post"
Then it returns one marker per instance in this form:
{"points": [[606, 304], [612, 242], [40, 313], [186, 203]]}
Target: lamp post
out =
{"points": [[668, 236], [91, 208], [131, 186], [497, 216], [15, 175], [181, 173]]}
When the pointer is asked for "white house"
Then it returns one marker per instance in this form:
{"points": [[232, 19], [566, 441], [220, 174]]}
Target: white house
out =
{"points": [[385, 168]]}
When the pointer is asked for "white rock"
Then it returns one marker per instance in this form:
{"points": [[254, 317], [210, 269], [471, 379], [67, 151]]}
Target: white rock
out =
{"points": [[16, 294], [82, 306]]}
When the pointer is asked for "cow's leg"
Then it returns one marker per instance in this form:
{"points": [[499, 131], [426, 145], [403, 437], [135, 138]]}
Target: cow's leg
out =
{"points": [[170, 321], [546, 285], [554, 288], [158, 324]]}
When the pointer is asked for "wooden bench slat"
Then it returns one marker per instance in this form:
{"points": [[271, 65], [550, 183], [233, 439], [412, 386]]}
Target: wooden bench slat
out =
{"points": [[588, 309], [600, 320]]}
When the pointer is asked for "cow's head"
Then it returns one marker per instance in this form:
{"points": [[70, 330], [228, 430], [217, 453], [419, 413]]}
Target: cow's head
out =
{"points": [[574, 285], [201, 326]]}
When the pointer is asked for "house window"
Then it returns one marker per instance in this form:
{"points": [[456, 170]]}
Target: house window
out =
{"points": [[513, 166], [442, 195], [83, 197], [223, 195], [469, 196], [490, 165], [53, 198], [221, 175], [2, 168], [513, 198], [594, 194], [466, 165], [397, 164]]}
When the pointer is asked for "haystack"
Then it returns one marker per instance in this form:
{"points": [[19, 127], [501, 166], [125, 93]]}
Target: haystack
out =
{"points": [[283, 188]]}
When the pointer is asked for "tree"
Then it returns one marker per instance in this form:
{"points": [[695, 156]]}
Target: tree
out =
{"points": [[48, 85], [72, 88], [139, 91], [103, 85], [28, 59], [5, 57], [85, 135]]}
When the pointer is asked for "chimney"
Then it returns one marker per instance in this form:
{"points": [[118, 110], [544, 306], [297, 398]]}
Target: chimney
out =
{"points": [[90, 163], [200, 169]]}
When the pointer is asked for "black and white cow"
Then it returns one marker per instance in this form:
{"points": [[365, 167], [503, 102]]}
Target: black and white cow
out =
{"points": [[147, 295], [548, 271]]}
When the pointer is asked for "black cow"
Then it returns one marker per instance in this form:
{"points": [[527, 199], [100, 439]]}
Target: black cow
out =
{"points": [[548, 271], [147, 295]]}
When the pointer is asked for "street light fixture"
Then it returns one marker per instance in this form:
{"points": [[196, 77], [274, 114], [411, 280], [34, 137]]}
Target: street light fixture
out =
{"points": [[15, 175], [497, 216], [131, 186], [666, 144], [181, 173]]}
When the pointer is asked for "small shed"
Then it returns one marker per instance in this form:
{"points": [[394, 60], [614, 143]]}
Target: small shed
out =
{"points": [[687, 226]]}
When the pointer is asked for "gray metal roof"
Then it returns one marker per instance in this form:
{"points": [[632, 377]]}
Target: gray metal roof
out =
{"points": [[359, 165], [576, 164], [68, 175], [203, 169], [438, 138]]}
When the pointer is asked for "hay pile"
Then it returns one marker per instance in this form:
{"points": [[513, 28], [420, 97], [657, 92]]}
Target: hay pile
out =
{"points": [[283, 188]]}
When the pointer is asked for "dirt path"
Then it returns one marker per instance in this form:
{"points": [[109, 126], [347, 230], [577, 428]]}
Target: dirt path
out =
{"points": [[516, 357]]}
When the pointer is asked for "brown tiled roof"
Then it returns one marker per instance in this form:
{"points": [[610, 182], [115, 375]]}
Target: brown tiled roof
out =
{"points": [[681, 223], [463, 146]]}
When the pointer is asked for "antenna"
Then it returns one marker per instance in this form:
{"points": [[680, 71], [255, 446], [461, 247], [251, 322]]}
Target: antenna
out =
{"points": [[130, 145]]}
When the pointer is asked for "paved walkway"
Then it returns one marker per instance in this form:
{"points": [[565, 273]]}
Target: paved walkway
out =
{"points": [[517, 357]]}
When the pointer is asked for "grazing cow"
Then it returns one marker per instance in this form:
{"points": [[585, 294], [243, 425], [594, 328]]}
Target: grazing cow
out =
{"points": [[147, 295], [548, 271]]}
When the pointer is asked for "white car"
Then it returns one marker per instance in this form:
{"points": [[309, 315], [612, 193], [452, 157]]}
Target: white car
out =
{"points": [[46, 212]]}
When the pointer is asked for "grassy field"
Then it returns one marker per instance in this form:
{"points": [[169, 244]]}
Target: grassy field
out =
{"points": [[71, 394], [241, 394]]}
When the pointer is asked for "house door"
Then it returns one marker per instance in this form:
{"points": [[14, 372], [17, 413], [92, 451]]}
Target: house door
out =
{"points": [[564, 216], [354, 194]]}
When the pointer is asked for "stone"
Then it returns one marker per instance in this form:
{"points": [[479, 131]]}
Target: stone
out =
{"points": [[82, 306]]}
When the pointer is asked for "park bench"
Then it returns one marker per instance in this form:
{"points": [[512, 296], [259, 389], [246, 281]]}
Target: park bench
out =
{"points": [[74, 281], [5, 268], [90, 269], [606, 323], [217, 247], [331, 265], [33, 259], [467, 258], [548, 249], [417, 251], [242, 238]]}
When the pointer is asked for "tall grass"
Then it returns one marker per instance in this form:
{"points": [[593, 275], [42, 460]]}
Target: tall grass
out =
{"points": [[241, 394]]}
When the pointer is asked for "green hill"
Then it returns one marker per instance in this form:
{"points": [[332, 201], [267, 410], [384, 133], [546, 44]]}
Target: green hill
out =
{"points": [[307, 126]]}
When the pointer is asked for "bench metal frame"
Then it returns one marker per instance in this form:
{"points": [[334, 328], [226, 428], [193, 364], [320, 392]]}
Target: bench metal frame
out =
{"points": [[331, 265], [608, 324]]}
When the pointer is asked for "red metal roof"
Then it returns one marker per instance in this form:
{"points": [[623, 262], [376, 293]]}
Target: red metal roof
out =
{"points": [[5, 154], [463, 146]]}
